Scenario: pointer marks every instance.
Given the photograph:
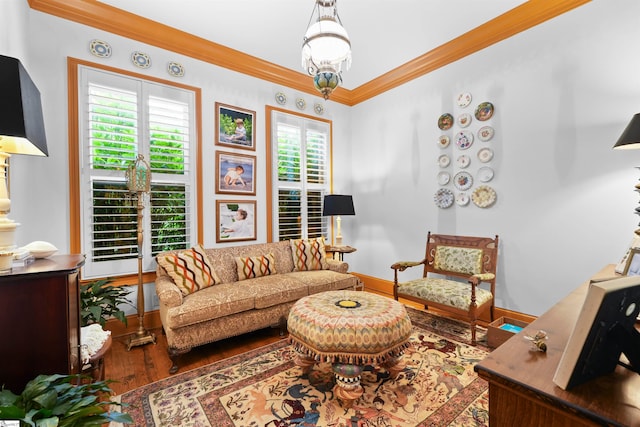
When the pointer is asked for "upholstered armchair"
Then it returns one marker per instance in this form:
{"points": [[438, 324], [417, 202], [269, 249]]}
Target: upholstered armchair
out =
{"points": [[454, 267]]}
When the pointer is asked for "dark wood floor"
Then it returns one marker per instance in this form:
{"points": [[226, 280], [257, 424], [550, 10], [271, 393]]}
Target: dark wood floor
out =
{"points": [[148, 363]]}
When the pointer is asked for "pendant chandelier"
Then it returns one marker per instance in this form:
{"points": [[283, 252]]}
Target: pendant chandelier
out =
{"points": [[326, 47]]}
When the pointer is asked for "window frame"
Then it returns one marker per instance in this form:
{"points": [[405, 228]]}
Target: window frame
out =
{"points": [[272, 160], [75, 143]]}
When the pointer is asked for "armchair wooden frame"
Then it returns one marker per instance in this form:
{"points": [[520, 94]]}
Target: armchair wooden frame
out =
{"points": [[485, 273]]}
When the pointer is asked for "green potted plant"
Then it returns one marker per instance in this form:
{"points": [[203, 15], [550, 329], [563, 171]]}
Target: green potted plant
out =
{"points": [[99, 301], [54, 400]]}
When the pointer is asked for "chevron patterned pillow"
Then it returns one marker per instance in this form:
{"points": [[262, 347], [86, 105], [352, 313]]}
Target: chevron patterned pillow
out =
{"points": [[309, 254], [255, 266], [190, 269]]}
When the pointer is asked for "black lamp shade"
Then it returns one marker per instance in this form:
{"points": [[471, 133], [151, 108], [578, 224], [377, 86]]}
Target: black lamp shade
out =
{"points": [[337, 204], [21, 119], [630, 138]]}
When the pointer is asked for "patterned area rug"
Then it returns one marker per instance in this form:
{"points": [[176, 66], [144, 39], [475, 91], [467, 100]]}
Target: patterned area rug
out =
{"points": [[263, 388]]}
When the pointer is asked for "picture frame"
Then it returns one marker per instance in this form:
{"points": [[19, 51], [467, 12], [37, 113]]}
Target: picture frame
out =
{"points": [[228, 121], [620, 267], [632, 265], [236, 173], [231, 224]]}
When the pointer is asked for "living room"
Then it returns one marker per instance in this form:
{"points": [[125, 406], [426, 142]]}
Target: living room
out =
{"points": [[563, 92]]}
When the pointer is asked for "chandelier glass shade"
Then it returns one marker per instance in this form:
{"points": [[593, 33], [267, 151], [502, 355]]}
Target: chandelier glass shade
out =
{"points": [[326, 47]]}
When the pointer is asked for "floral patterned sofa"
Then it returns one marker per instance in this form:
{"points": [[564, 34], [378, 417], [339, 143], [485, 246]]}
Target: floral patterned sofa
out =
{"points": [[453, 269], [210, 294]]}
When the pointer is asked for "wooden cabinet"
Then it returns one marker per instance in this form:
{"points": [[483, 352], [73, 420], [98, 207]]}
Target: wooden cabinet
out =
{"points": [[521, 388], [40, 320]]}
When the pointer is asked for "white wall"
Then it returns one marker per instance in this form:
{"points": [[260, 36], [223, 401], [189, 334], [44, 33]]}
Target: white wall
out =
{"points": [[563, 92]]}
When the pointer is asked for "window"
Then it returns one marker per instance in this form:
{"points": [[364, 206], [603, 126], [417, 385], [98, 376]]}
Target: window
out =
{"points": [[120, 117], [300, 175]]}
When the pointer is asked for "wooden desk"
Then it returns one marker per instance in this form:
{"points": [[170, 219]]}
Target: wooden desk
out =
{"points": [[40, 320], [521, 388]]}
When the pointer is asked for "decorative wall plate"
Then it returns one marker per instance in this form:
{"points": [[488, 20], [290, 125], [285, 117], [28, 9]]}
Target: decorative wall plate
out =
{"points": [[281, 98], [444, 161], [301, 104], [100, 49], [462, 199], [318, 108], [443, 198], [483, 196], [464, 139], [445, 121], [463, 161], [464, 99], [485, 155], [175, 69], [141, 60], [443, 178], [464, 120], [485, 174], [485, 133], [443, 141], [484, 111], [463, 180]]}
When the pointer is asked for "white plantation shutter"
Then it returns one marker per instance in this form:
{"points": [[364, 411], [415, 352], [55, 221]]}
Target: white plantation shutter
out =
{"points": [[120, 118], [301, 152]]}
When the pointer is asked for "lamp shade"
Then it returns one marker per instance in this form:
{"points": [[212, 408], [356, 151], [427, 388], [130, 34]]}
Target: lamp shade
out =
{"points": [[630, 138], [21, 119], [337, 204]]}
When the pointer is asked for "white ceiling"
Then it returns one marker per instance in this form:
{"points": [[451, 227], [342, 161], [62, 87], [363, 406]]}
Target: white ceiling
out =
{"points": [[384, 34]]}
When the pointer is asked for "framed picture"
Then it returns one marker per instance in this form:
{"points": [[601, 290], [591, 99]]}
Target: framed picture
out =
{"points": [[632, 266], [620, 267], [236, 127], [235, 220], [236, 173]]}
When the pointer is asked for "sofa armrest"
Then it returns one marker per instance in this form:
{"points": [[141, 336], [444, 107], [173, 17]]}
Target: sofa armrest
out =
{"points": [[168, 292], [337, 265]]}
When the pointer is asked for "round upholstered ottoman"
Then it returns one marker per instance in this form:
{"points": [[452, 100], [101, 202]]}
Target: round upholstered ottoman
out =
{"points": [[350, 330]]}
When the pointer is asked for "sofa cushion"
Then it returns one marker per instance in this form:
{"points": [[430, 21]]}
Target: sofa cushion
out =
{"points": [[190, 269], [325, 280], [255, 266], [309, 254], [276, 289], [211, 303]]}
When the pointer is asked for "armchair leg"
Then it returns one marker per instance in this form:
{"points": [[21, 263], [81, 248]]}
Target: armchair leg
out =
{"points": [[473, 332]]}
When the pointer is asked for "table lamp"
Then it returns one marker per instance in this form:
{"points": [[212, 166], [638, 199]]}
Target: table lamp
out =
{"points": [[336, 205], [629, 140], [21, 132]]}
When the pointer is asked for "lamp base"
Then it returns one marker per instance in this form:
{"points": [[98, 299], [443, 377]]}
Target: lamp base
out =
{"points": [[141, 338]]}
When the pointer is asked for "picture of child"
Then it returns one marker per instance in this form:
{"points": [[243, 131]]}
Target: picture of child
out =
{"points": [[234, 176], [240, 226], [240, 133]]}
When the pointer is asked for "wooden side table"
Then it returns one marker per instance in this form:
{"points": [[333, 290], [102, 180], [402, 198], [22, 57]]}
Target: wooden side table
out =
{"points": [[340, 250]]}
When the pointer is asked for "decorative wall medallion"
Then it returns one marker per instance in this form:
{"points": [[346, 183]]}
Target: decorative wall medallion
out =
{"points": [[484, 111], [443, 178], [141, 60], [464, 120], [444, 161], [463, 180], [485, 133], [445, 121], [443, 141], [281, 98], [301, 104], [443, 198], [464, 139], [483, 196], [485, 155], [318, 108], [175, 69], [100, 49], [464, 99]]}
